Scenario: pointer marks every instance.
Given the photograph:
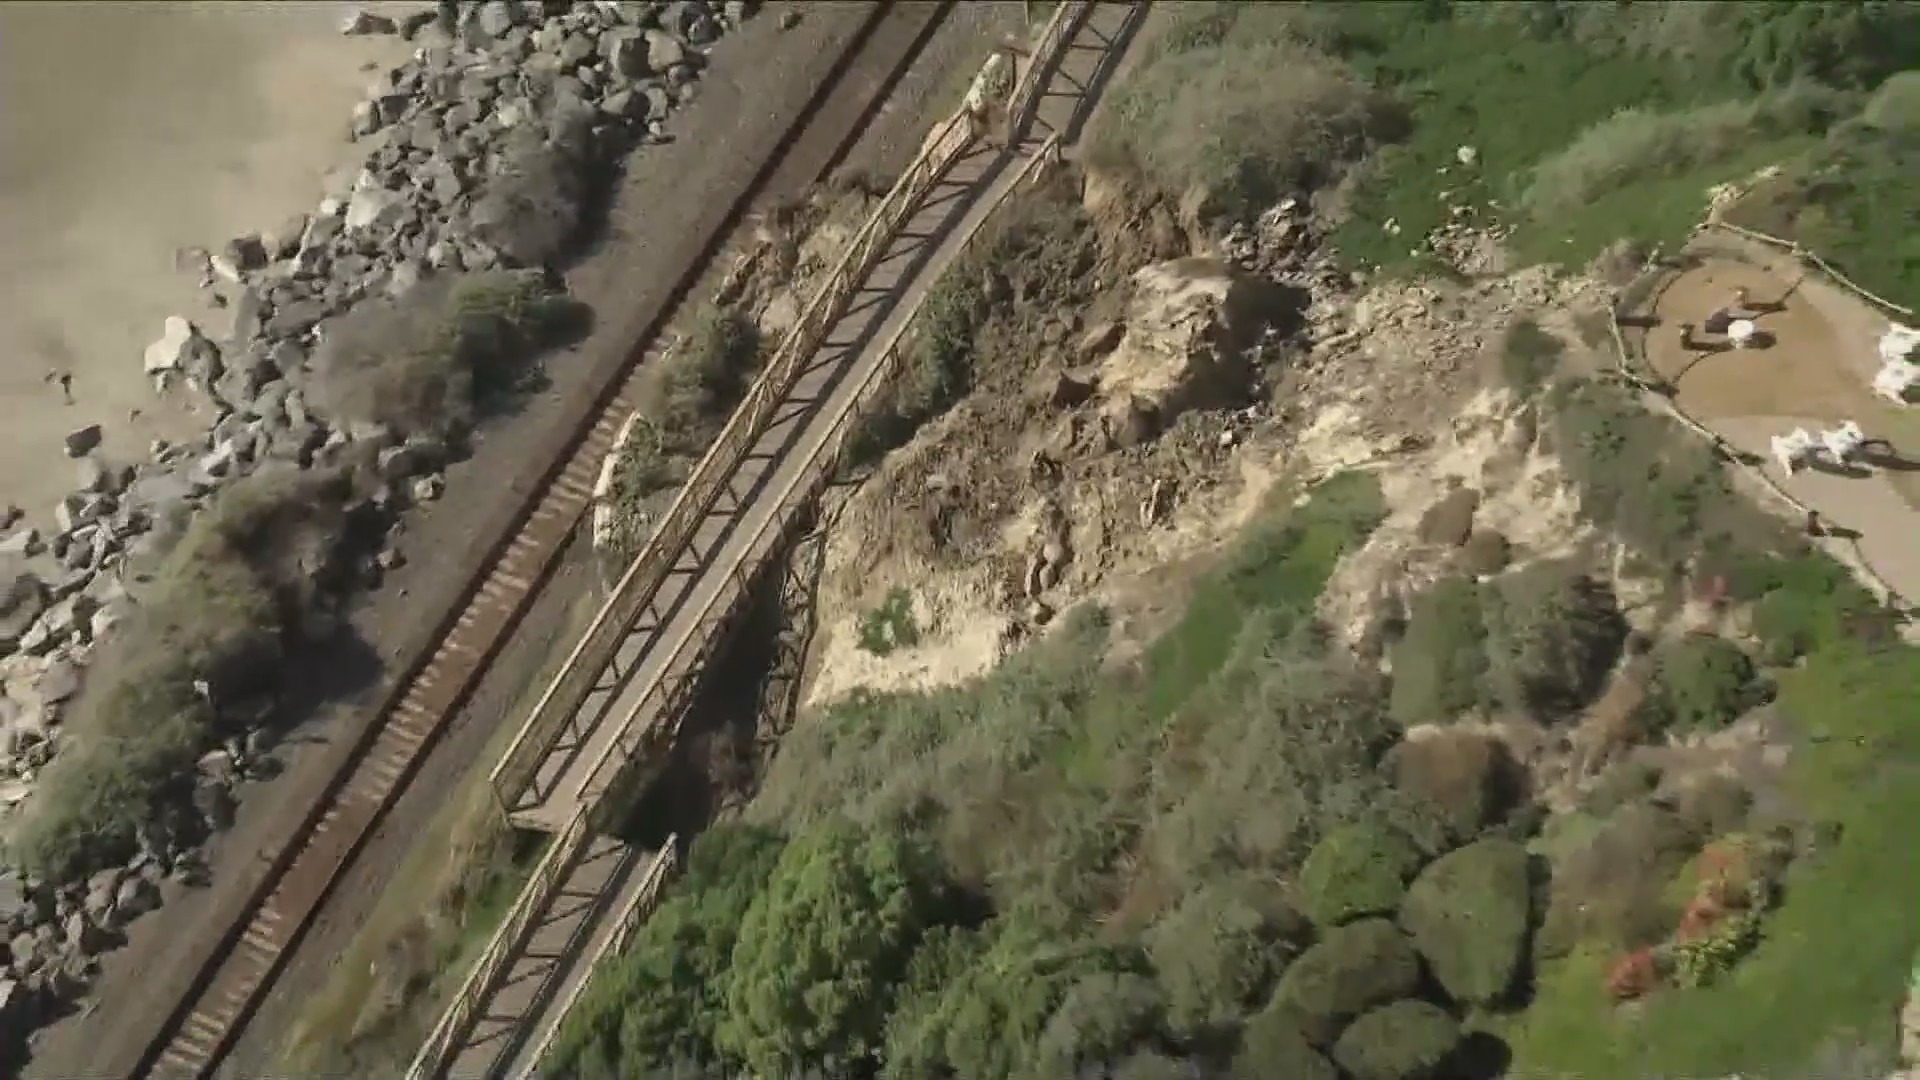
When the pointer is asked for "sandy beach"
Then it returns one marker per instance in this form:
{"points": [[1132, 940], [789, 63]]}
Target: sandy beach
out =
{"points": [[128, 131]]}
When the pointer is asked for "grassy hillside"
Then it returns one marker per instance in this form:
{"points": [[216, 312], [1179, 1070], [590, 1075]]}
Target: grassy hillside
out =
{"points": [[1227, 857]]}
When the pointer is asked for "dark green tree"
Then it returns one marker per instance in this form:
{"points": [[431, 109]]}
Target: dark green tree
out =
{"points": [[824, 946]]}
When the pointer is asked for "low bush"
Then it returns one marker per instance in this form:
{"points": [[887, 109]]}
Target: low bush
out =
{"points": [[1439, 666], [1450, 519], [1552, 635], [1036, 253], [1104, 1017], [1356, 870], [1351, 969], [1652, 483], [1218, 953], [1485, 552], [1470, 914], [532, 208], [683, 404], [220, 609], [891, 625], [1529, 356], [1406, 1040], [824, 946], [1613, 891], [1471, 780], [1636, 144], [1700, 682], [428, 361], [1702, 960], [1236, 104], [1272, 1047]]}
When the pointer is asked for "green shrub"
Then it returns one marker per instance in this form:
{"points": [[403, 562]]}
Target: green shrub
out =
{"points": [[983, 1009], [426, 362], [1103, 1017], [1272, 1047], [1357, 870], [1635, 144], [1701, 682], [1406, 1040], [1529, 356], [220, 608], [1611, 892], [1218, 953], [1470, 915], [1352, 969], [1470, 780], [662, 999], [1440, 664], [1552, 635], [824, 945], [1283, 749], [1810, 601], [891, 625], [1895, 107], [684, 401], [1233, 103], [1651, 482]]}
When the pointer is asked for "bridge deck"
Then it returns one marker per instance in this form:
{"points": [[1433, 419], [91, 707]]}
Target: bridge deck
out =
{"points": [[521, 1009], [887, 299], [551, 961]]}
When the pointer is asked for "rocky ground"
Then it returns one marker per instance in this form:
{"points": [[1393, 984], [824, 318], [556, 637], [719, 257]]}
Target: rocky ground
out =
{"points": [[513, 117], [1119, 435]]}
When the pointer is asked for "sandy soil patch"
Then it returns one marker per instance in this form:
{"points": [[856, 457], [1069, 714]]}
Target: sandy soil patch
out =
{"points": [[128, 131]]}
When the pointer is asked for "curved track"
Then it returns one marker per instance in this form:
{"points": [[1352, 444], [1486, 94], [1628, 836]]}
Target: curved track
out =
{"points": [[228, 976]]}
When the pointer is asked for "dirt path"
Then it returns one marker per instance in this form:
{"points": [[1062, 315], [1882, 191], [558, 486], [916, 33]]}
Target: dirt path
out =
{"points": [[1815, 373]]}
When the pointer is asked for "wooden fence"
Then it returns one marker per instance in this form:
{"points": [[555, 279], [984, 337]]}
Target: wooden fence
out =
{"points": [[1635, 369]]}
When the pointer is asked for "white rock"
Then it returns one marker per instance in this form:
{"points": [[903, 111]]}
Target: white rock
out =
{"points": [[374, 207], [1466, 155], [174, 347]]}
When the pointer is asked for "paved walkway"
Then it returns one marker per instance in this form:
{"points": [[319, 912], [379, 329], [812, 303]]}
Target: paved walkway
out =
{"points": [[1815, 375]]}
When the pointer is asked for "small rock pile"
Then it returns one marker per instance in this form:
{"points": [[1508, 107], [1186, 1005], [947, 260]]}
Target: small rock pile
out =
{"points": [[506, 116]]}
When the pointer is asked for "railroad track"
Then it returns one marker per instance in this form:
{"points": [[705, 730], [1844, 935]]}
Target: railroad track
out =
{"points": [[232, 974]]}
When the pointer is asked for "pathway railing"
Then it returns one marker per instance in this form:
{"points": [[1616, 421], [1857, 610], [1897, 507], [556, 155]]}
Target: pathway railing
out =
{"points": [[1634, 367], [642, 579], [548, 873]]}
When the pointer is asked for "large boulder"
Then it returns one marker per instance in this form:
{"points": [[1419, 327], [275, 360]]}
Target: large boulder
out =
{"points": [[1189, 324], [22, 598]]}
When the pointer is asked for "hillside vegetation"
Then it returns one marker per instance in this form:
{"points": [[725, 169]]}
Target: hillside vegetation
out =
{"points": [[1575, 124], [1252, 851]]}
